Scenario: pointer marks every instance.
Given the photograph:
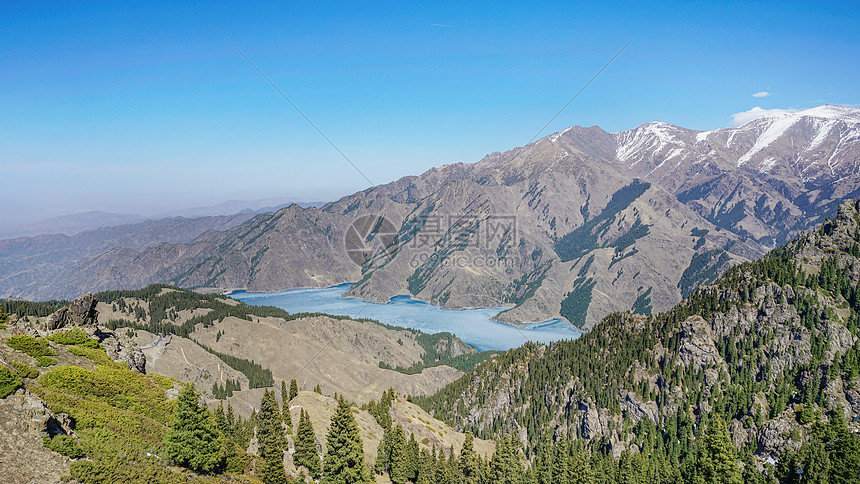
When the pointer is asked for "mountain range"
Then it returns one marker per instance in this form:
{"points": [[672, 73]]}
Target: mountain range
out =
{"points": [[771, 347], [577, 224]]}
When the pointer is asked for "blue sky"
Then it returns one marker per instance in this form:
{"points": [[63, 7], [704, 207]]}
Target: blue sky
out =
{"points": [[140, 108]]}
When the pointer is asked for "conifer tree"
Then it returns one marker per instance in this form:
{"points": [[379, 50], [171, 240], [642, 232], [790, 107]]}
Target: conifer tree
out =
{"points": [[269, 429], [560, 463], [221, 420], [306, 453], [411, 458], [442, 472], [193, 440], [344, 458], [270, 439], [382, 451], [505, 466], [230, 416], [470, 467], [580, 469], [543, 460], [844, 450], [425, 468], [717, 460], [285, 407], [294, 389], [396, 456], [273, 465], [816, 465]]}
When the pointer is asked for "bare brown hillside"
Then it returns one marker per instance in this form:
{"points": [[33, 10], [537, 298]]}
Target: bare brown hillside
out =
{"points": [[340, 355]]}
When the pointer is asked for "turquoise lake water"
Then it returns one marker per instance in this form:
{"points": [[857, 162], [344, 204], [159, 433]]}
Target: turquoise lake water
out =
{"points": [[473, 326]]}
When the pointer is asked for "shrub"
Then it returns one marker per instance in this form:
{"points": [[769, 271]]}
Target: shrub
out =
{"points": [[74, 336], [161, 380], [45, 361], [98, 354], [24, 370], [9, 381], [65, 445], [120, 419], [34, 347]]}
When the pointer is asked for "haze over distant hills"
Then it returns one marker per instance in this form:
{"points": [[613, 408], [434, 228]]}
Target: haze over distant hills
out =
{"points": [[68, 224], [602, 222], [76, 223]]}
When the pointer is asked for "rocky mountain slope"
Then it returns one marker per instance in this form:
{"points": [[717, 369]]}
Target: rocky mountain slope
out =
{"points": [[771, 347], [577, 224]]}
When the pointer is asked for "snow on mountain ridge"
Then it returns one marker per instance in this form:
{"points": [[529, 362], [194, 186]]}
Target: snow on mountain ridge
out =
{"points": [[775, 129], [655, 136], [809, 142]]}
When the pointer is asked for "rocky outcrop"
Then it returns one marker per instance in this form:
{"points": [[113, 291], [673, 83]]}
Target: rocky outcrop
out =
{"points": [[80, 312], [24, 421], [123, 349], [697, 347]]}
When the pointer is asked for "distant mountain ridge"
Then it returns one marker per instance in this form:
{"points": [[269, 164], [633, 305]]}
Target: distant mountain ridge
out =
{"points": [[603, 222], [69, 224], [30, 264]]}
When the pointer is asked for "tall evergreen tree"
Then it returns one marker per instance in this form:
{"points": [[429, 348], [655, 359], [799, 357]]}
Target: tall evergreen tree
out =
{"points": [[470, 465], [505, 465], [560, 463], [344, 458], [580, 469], [425, 467], [230, 416], [270, 440], [306, 453], [221, 420], [382, 452], [273, 465], [269, 429], [396, 456], [294, 389], [717, 460], [543, 460], [411, 458], [193, 440], [285, 407], [844, 450]]}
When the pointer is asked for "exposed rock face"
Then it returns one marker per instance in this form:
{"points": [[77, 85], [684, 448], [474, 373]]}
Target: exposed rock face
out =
{"points": [[24, 420], [698, 347], [123, 349], [80, 312]]}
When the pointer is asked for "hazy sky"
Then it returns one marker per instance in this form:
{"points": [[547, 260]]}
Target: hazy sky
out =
{"points": [[139, 108]]}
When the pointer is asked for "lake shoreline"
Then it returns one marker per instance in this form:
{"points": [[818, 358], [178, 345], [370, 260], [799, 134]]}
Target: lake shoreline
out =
{"points": [[475, 326]]}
